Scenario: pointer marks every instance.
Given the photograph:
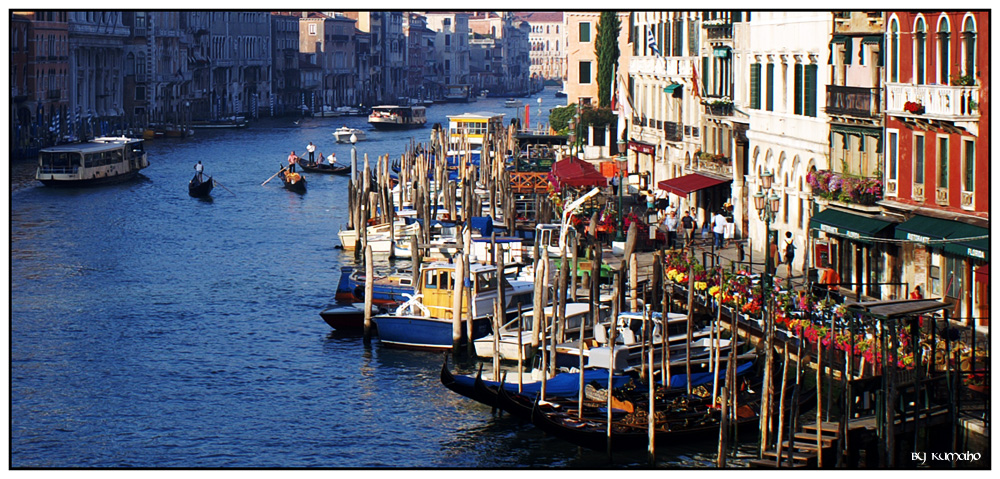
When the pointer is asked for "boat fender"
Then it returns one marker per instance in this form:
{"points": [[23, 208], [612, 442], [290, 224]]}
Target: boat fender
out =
{"points": [[359, 292]]}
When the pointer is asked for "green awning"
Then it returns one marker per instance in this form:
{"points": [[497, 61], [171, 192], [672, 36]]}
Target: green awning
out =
{"points": [[923, 229], [849, 225], [839, 39], [720, 52], [671, 88], [871, 40]]}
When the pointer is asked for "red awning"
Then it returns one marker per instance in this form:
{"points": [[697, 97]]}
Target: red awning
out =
{"points": [[687, 184], [575, 172]]}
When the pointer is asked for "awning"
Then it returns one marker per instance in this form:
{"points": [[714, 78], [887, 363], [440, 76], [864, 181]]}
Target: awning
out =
{"points": [[964, 239], [849, 225], [573, 171], [671, 88], [720, 52], [641, 147], [687, 184]]}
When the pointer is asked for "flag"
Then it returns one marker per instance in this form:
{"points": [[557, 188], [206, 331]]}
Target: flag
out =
{"points": [[624, 104], [651, 42], [694, 79]]}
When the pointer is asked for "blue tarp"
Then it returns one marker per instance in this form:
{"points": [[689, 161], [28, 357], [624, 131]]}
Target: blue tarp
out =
{"points": [[482, 223]]}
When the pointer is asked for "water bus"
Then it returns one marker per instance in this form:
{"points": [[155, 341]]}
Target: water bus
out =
{"points": [[101, 160], [394, 117]]}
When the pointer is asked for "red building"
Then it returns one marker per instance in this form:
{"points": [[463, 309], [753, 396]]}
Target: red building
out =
{"points": [[936, 80]]}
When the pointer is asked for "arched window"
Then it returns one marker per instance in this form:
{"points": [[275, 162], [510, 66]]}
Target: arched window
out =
{"points": [[894, 51], [969, 47], [944, 51], [920, 52]]}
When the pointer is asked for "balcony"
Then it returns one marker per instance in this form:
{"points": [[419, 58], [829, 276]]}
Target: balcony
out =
{"points": [[718, 106], [852, 101], [850, 189], [718, 31], [937, 102], [712, 163], [673, 131]]}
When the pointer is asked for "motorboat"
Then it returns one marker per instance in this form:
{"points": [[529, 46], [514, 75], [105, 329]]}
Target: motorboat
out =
{"points": [[511, 103], [343, 134]]}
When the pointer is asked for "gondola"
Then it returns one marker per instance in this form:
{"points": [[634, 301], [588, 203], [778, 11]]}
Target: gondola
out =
{"points": [[347, 316], [293, 181], [324, 168], [686, 418], [478, 391], [200, 189]]}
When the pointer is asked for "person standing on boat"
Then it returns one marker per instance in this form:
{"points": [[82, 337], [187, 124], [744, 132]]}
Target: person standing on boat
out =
{"points": [[317, 162], [199, 169], [311, 148], [292, 159], [332, 158]]}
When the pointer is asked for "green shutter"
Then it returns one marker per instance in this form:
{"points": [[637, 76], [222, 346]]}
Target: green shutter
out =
{"points": [[770, 87], [798, 89], [970, 165], [848, 47], [705, 82], [811, 89], [755, 86], [666, 38]]}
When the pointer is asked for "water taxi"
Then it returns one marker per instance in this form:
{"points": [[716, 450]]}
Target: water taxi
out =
{"points": [[343, 134], [425, 320], [511, 103], [101, 160], [394, 117]]}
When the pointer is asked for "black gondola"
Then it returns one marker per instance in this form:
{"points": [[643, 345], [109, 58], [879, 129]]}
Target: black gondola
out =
{"points": [[200, 189], [293, 181], [328, 169]]}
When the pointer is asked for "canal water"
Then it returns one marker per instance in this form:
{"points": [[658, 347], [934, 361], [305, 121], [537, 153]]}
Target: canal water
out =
{"points": [[151, 329]]}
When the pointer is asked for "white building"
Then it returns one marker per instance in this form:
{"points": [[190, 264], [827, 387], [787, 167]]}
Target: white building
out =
{"points": [[786, 70]]}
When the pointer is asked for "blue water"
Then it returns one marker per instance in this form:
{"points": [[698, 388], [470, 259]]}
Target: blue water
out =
{"points": [[151, 329]]}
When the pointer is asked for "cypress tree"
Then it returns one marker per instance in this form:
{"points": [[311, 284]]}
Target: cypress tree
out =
{"points": [[606, 48]]}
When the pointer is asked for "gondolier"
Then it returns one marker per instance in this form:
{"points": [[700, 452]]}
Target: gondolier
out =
{"points": [[199, 168], [332, 159], [311, 148], [292, 159]]}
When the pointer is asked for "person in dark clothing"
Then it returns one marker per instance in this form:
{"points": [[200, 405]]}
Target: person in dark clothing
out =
{"points": [[689, 225]]}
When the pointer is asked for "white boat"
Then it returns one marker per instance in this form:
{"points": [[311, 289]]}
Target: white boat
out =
{"points": [[347, 111], [343, 134], [101, 160], [394, 117], [510, 340], [425, 321], [378, 235], [511, 103]]}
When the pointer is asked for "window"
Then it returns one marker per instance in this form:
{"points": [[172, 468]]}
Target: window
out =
{"points": [[969, 172], [447, 66], [969, 44], [953, 276], [679, 37], [312, 29], [944, 45], [894, 51], [447, 22], [942, 154], [893, 154], [805, 89], [935, 276], [918, 159], [584, 32], [919, 52], [770, 87], [755, 86], [447, 40], [584, 73]]}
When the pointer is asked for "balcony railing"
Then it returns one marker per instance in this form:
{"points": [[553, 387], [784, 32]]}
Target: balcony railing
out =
{"points": [[673, 131], [853, 101], [940, 102], [845, 188], [719, 32], [717, 164]]}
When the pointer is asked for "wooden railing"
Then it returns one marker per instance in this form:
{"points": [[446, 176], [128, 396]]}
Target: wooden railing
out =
{"points": [[525, 182]]}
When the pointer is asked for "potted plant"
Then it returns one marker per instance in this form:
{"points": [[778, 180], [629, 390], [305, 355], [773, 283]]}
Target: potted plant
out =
{"points": [[913, 107], [964, 80]]}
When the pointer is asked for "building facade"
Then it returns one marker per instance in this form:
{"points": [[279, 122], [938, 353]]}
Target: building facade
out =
{"points": [[547, 39], [451, 47], [936, 169], [581, 60]]}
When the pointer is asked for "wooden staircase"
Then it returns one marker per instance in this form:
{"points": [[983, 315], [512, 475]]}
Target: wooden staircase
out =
{"points": [[804, 451]]}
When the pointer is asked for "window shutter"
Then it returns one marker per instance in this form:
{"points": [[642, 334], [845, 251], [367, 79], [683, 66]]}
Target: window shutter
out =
{"points": [[798, 89], [770, 87], [810, 89], [706, 77], [755, 86]]}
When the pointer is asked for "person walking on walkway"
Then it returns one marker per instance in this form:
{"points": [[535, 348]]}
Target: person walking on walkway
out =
{"points": [[669, 228], [311, 148], [789, 253], [689, 225], [718, 228]]}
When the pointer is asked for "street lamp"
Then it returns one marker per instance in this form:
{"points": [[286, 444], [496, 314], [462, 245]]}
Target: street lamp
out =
{"points": [[539, 113], [621, 185], [767, 203]]}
